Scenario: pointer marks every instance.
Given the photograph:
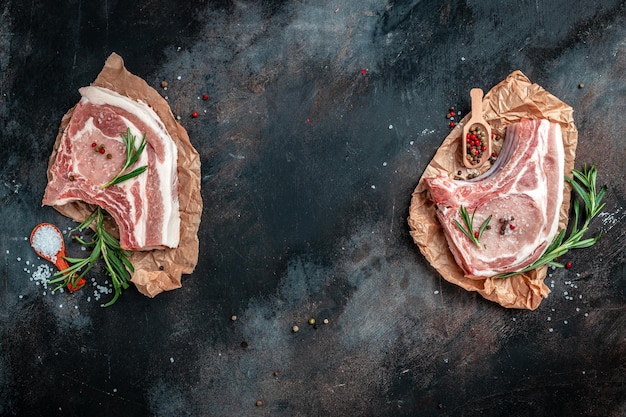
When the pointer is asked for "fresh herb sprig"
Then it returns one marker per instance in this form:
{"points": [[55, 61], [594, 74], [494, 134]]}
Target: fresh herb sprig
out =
{"points": [[468, 229], [132, 155], [105, 246], [584, 185]]}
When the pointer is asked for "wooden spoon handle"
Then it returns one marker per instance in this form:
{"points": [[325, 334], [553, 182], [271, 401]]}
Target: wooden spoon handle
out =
{"points": [[477, 103]]}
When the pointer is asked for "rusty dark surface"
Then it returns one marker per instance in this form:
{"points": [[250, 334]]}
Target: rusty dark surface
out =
{"points": [[321, 119]]}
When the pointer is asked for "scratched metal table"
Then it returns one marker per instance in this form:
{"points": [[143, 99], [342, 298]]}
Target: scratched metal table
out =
{"points": [[322, 117]]}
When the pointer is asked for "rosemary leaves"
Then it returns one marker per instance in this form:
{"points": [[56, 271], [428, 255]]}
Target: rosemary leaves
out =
{"points": [[590, 197], [468, 228], [103, 246], [132, 155]]}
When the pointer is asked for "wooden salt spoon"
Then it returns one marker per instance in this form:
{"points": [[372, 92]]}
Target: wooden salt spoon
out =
{"points": [[476, 134], [59, 258]]}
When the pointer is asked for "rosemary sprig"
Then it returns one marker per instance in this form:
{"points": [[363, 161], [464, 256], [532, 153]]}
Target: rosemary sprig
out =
{"points": [[104, 246], [468, 229], [584, 185], [132, 155]]}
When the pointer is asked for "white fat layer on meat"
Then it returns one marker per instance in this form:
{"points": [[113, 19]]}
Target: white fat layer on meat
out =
{"points": [[165, 169]]}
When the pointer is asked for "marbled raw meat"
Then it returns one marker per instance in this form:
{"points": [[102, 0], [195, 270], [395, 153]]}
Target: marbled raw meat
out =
{"points": [[146, 207], [525, 183]]}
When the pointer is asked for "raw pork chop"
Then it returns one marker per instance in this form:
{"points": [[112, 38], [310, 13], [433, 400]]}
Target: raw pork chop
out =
{"points": [[145, 207], [522, 192]]}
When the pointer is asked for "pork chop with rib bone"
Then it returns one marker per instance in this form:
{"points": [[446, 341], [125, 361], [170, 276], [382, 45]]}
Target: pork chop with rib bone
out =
{"points": [[146, 207], [522, 191]]}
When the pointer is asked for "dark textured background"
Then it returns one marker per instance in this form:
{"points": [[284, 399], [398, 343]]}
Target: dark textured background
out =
{"points": [[308, 165]]}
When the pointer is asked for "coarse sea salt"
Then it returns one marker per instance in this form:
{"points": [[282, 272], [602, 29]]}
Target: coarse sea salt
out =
{"points": [[41, 275], [47, 241]]}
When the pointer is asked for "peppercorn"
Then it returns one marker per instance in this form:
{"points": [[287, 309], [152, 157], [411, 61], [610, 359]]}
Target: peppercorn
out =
{"points": [[109, 156], [295, 329], [194, 114], [312, 321], [568, 265], [259, 403], [244, 345], [205, 97], [164, 84]]}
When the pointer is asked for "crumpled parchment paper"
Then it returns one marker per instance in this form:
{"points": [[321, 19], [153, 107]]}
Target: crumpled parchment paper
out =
{"points": [[157, 270], [511, 100]]}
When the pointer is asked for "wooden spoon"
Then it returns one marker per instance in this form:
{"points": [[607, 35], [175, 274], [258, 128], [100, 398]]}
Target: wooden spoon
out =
{"points": [[59, 258], [475, 155]]}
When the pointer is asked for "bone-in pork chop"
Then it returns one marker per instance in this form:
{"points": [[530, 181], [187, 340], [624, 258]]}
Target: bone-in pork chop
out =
{"points": [[522, 192], [145, 207]]}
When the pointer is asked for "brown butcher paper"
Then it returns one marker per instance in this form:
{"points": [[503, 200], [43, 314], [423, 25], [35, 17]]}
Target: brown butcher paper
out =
{"points": [[508, 102], [156, 270]]}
